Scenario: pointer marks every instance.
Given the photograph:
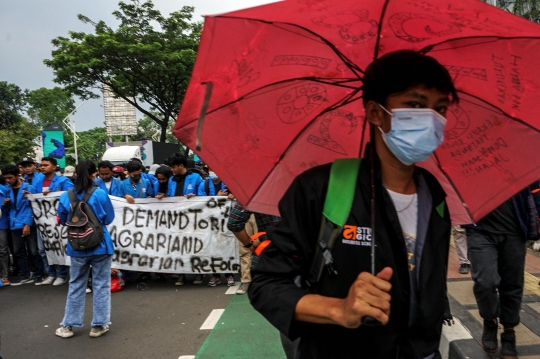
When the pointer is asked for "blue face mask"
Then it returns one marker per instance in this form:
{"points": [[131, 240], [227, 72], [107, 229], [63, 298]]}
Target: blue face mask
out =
{"points": [[415, 134]]}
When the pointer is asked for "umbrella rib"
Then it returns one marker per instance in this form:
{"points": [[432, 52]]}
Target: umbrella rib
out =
{"points": [[454, 187], [500, 110], [383, 12], [314, 79], [340, 103], [430, 48], [351, 65]]}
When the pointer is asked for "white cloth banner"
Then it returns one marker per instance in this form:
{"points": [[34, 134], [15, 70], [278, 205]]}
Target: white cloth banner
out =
{"points": [[172, 235]]}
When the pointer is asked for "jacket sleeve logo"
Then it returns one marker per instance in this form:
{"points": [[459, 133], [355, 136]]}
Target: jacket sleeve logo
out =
{"points": [[358, 236]]}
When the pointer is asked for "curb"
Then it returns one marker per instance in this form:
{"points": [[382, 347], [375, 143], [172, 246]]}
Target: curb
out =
{"points": [[458, 343]]}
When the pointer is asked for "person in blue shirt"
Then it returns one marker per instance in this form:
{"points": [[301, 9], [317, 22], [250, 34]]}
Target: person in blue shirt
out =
{"points": [[163, 174], [51, 182], [22, 225], [148, 176], [213, 186], [99, 259], [4, 234], [135, 186], [31, 176], [106, 181], [184, 182]]}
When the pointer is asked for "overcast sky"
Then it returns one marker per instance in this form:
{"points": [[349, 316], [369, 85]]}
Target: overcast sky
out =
{"points": [[28, 26]]}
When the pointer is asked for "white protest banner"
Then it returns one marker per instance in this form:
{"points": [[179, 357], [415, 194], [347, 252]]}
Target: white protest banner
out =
{"points": [[172, 235]]}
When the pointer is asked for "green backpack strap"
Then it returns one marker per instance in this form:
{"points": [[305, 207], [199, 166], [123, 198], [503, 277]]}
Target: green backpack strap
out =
{"points": [[337, 207]]}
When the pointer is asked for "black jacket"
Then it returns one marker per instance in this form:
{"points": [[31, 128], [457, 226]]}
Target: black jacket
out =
{"points": [[274, 294]]}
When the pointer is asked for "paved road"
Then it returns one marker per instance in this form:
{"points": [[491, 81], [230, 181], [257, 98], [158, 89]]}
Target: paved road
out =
{"points": [[161, 322]]}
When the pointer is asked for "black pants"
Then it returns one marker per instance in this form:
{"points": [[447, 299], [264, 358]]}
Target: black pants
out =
{"points": [[497, 267]]}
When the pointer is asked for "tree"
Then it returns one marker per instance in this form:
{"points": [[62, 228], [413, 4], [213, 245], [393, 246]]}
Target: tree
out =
{"points": [[17, 140], [148, 59], [528, 9], [147, 129], [48, 106], [91, 144], [12, 103]]}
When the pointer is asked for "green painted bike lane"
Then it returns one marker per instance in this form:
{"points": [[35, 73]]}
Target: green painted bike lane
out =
{"points": [[240, 333]]}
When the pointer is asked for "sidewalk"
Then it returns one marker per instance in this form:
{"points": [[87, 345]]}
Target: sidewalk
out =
{"points": [[463, 306], [242, 333]]}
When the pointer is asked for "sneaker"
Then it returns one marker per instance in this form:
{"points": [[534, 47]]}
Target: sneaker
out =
{"points": [[175, 276], [160, 278], [58, 282], [5, 281], [88, 290], [98, 331], [489, 336], [243, 288], [181, 280], [48, 281], [508, 344], [38, 281], [230, 280], [64, 332], [23, 281], [464, 268], [214, 281], [198, 279]]}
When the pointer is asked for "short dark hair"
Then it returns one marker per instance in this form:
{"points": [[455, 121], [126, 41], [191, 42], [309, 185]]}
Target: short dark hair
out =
{"points": [[10, 170], [133, 166], [106, 164], [51, 160], [165, 171], [178, 159], [398, 71]]}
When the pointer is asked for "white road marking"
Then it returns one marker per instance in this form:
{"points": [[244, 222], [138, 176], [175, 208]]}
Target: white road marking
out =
{"points": [[212, 319], [232, 290], [456, 331], [187, 357]]}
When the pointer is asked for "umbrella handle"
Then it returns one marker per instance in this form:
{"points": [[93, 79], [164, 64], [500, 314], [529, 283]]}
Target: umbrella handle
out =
{"points": [[370, 321], [202, 113]]}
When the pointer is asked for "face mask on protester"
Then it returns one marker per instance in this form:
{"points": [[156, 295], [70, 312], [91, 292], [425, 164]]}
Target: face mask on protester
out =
{"points": [[415, 134], [136, 178]]}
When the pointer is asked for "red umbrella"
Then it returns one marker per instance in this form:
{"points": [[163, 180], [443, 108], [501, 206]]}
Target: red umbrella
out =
{"points": [[279, 90]]}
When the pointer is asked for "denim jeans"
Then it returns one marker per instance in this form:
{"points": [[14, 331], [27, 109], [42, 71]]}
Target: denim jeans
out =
{"points": [[4, 253], [101, 287], [497, 266], [20, 244], [53, 270]]}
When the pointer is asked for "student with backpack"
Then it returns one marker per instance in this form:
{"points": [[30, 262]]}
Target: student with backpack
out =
{"points": [[86, 211], [354, 298]]}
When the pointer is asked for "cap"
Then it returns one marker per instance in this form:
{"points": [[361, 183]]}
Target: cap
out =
{"points": [[118, 169], [153, 169], [26, 160], [69, 171], [213, 176]]}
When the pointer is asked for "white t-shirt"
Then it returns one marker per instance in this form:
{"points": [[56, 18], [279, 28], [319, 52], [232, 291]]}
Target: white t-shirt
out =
{"points": [[407, 209], [108, 185]]}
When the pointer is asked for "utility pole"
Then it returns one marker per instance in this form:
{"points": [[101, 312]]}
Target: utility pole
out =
{"points": [[71, 126]]}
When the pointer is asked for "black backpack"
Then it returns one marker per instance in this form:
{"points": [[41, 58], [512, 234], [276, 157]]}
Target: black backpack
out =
{"points": [[84, 231]]}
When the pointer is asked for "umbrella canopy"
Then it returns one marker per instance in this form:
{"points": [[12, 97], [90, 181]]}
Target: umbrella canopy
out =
{"points": [[279, 90]]}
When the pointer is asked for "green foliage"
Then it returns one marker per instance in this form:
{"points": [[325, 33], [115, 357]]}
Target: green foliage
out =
{"points": [[92, 144], [17, 141], [147, 128], [528, 9], [12, 103], [147, 59], [48, 106]]}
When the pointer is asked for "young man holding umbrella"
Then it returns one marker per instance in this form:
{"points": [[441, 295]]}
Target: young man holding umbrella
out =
{"points": [[406, 95]]}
